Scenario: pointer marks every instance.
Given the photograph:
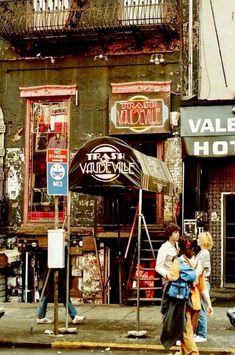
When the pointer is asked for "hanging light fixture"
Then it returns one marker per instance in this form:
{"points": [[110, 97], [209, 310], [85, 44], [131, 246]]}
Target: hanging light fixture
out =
{"points": [[157, 58], [101, 56]]}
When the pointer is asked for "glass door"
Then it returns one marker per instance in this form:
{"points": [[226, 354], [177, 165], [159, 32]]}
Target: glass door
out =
{"points": [[229, 239]]}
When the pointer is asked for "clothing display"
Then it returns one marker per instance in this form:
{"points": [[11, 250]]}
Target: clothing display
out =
{"points": [[57, 141]]}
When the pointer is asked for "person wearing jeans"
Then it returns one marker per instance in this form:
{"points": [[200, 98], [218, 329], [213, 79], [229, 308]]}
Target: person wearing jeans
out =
{"points": [[205, 243], [43, 309], [201, 334], [49, 296]]}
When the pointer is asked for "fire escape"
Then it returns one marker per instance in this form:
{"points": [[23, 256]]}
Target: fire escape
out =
{"points": [[57, 25]]}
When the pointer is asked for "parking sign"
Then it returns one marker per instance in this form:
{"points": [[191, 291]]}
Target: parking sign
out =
{"points": [[57, 172]]}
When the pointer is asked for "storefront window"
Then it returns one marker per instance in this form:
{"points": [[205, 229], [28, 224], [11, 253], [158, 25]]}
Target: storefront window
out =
{"points": [[49, 127]]}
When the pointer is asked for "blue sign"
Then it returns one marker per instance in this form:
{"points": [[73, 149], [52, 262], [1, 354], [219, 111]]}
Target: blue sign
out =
{"points": [[57, 179], [57, 173]]}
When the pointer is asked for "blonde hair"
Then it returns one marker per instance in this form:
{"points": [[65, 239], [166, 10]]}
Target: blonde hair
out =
{"points": [[206, 239]]}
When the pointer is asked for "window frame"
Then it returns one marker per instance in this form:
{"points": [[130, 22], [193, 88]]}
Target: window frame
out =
{"points": [[31, 95]]}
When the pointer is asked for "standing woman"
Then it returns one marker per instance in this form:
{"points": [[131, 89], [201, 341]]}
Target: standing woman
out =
{"points": [[205, 243], [181, 315]]}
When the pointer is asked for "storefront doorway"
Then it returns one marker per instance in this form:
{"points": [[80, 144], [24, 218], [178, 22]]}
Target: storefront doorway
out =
{"points": [[228, 238]]}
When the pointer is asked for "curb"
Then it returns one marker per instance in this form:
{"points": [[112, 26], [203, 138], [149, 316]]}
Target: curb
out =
{"points": [[105, 345], [135, 346], [15, 344]]}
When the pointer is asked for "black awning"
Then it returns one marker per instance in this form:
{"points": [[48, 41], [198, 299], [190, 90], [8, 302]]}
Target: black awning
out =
{"points": [[110, 165]]}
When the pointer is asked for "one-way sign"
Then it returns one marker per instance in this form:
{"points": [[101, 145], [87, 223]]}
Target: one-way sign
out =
{"points": [[57, 172]]}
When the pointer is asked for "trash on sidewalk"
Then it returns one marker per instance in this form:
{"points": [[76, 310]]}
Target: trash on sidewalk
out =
{"points": [[48, 331], [137, 334], [64, 330], [231, 316]]}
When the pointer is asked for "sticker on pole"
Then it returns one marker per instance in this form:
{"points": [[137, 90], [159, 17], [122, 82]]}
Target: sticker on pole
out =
{"points": [[57, 172]]}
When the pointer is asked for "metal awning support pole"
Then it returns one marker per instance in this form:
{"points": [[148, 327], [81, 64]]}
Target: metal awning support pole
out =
{"points": [[103, 287], [138, 260], [149, 239], [131, 233], [119, 256], [99, 270], [138, 333]]}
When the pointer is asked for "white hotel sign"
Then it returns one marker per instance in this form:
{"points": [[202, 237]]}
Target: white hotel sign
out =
{"points": [[208, 131]]}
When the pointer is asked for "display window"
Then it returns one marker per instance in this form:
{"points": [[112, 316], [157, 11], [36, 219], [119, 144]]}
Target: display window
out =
{"points": [[47, 127], [49, 123]]}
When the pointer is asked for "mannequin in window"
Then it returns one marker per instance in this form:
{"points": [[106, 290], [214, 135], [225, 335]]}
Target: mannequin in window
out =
{"points": [[57, 141]]}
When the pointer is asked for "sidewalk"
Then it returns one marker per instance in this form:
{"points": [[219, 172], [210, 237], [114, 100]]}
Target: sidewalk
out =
{"points": [[105, 326]]}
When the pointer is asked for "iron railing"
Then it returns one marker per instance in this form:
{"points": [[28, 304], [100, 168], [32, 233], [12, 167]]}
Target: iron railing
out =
{"points": [[57, 17]]}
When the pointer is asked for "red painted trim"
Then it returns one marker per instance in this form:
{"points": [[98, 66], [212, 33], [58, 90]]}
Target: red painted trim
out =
{"points": [[141, 87], [26, 156], [36, 216], [48, 90]]}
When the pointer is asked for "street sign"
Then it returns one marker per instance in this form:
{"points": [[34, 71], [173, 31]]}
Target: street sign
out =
{"points": [[57, 172]]}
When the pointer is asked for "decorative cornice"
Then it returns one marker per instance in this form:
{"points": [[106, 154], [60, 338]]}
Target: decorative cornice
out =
{"points": [[48, 90], [141, 87]]}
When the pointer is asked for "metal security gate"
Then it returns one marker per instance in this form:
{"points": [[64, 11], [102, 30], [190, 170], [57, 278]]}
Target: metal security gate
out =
{"points": [[228, 210]]}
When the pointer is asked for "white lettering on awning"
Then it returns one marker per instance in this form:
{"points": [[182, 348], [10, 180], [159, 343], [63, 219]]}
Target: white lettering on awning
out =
{"points": [[209, 125], [217, 148]]}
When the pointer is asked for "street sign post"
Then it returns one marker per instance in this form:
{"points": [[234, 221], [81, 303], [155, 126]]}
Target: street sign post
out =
{"points": [[57, 185]]}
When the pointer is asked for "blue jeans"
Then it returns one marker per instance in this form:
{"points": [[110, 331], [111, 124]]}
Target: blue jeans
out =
{"points": [[202, 321], [43, 308]]}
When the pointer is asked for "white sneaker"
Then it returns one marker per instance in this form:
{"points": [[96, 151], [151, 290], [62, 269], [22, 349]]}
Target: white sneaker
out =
{"points": [[199, 339], [44, 321], [78, 319]]}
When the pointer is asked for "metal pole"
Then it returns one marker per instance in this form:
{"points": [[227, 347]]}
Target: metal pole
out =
{"points": [[131, 233], [119, 255], [218, 42], [190, 46], [68, 261], [26, 276], [138, 260], [103, 286], [183, 187], [149, 239], [56, 273]]}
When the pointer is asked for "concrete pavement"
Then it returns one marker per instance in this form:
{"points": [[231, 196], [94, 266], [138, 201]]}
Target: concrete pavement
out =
{"points": [[105, 326]]}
